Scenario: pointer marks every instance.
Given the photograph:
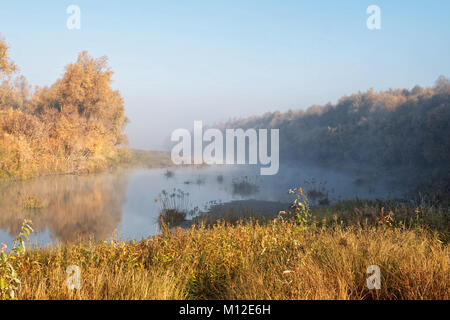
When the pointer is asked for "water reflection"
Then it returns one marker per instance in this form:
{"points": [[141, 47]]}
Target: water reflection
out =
{"points": [[73, 207]]}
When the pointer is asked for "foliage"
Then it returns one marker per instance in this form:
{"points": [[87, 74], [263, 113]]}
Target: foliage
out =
{"points": [[314, 253], [6, 65], [9, 280], [300, 208], [275, 260], [400, 134], [74, 126]]}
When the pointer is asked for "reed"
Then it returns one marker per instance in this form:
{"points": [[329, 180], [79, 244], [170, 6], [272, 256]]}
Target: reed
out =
{"points": [[294, 256]]}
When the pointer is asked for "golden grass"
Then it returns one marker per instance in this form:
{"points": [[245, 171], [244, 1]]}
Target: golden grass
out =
{"points": [[146, 159], [275, 260]]}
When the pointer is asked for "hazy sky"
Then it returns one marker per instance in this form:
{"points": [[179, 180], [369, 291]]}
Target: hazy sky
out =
{"points": [[180, 61]]}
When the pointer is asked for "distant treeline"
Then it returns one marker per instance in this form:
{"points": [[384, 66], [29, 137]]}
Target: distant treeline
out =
{"points": [[396, 132], [76, 125]]}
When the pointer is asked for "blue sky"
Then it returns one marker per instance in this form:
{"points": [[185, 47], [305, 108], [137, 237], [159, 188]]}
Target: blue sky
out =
{"points": [[180, 61]]}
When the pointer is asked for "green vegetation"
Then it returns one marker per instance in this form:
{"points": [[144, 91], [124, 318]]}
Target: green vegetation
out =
{"points": [[9, 281]]}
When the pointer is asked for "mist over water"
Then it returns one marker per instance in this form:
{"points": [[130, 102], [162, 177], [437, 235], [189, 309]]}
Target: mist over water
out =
{"points": [[123, 202]]}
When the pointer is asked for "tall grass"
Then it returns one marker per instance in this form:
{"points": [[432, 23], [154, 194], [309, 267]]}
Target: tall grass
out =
{"points": [[275, 260]]}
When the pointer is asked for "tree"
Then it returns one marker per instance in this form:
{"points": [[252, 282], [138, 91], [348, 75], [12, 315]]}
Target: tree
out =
{"points": [[85, 89], [442, 84], [76, 125], [6, 65]]}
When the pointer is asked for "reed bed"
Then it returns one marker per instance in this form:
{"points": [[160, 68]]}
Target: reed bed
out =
{"points": [[275, 260]]}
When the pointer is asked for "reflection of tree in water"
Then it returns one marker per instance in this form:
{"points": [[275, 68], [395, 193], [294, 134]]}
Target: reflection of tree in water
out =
{"points": [[75, 207]]}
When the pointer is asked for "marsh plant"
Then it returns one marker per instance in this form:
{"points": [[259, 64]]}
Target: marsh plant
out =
{"points": [[169, 174], [200, 181], [244, 186], [317, 192], [174, 207], [9, 279]]}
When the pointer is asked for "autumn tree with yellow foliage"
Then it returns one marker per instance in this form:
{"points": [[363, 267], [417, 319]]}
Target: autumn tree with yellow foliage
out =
{"points": [[6, 65], [74, 126]]}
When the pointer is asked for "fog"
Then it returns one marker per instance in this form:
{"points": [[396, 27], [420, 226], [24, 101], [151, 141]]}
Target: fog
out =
{"points": [[175, 63], [124, 202], [154, 118]]}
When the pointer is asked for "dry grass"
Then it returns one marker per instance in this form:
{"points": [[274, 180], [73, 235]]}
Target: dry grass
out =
{"points": [[276, 260], [146, 159]]}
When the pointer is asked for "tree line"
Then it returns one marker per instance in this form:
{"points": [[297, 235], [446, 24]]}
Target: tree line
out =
{"points": [[75, 125], [400, 133]]}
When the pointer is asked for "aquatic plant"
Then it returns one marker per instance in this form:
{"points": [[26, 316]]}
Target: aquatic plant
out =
{"points": [[173, 207], [169, 174], [244, 186], [200, 181], [317, 192]]}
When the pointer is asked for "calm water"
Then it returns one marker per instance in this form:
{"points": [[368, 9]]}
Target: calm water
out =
{"points": [[124, 202]]}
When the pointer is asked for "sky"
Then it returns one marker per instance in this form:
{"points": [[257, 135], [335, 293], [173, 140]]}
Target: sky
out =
{"points": [[179, 61]]}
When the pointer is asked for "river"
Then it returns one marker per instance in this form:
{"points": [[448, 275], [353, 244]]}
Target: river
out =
{"points": [[125, 203]]}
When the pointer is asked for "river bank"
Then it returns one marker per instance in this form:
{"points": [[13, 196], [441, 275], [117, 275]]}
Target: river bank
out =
{"points": [[277, 260]]}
